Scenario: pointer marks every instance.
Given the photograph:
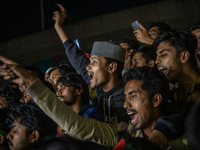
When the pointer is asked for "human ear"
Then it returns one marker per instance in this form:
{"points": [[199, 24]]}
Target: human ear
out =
{"points": [[79, 91], [1, 139], [34, 136], [157, 99], [151, 63], [184, 56], [112, 67]]}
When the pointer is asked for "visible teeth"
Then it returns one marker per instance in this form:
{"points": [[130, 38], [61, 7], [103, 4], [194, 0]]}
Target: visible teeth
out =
{"points": [[133, 120], [130, 113], [160, 68]]}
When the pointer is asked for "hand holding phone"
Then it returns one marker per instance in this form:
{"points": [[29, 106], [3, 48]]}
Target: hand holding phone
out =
{"points": [[135, 25]]}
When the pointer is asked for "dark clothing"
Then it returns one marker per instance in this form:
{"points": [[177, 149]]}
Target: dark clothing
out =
{"points": [[113, 100], [77, 58], [110, 102], [90, 111]]}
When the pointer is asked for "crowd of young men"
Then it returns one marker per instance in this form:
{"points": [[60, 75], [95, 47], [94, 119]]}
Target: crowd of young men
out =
{"points": [[133, 94]]}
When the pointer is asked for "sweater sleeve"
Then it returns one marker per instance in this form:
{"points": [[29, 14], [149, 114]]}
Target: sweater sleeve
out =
{"points": [[77, 58], [172, 127], [76, 126]]}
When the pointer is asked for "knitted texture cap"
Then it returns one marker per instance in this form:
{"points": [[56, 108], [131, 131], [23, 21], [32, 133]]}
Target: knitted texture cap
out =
{"points": [[108, 50]]}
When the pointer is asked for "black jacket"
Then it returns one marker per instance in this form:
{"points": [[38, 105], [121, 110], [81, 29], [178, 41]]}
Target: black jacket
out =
{"points": [[112, 101]]}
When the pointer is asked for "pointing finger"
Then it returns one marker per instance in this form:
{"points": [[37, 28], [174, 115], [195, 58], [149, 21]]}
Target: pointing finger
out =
{"points": [[6, 60]]}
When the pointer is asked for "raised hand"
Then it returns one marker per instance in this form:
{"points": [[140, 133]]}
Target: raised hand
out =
{"points": [[13, 72], [142, 35], [59, 17]]}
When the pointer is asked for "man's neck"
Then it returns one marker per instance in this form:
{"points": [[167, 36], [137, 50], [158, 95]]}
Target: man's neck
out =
{"points": [[187, 76], [76, 107], [110, 84]]}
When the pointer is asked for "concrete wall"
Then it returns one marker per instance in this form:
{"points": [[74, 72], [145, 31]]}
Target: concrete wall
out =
{"points": [[43, 45]]}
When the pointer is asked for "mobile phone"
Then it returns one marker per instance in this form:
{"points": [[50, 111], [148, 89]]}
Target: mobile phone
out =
{"points": [[135, 25]]}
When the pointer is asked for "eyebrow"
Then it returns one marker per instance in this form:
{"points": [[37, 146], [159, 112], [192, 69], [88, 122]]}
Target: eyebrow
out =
{"points": [[153, 31], [131, 92], [94, 57], [162, 51]]}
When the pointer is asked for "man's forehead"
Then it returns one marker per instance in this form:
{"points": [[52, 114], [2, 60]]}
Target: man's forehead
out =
{"points": [[97, 57], [63, 83], [137, 55], [164, 45], [16, 122], [154, 29], [133, 85], [196, 31], [55, 71]]}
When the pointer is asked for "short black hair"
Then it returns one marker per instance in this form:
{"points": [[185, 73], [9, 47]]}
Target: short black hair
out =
{"points": [[148, 52], [3, 126], [131, 44], [75, 80], [49, 85], [64, 68], [12, 95], [163, 27], [35, 71], [64, 143], [181, 40], [31, 116], [120, 66], [154, 82], [194, 27], [11, 84]]}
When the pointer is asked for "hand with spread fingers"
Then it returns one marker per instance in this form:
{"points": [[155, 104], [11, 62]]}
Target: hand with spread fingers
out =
{"points": [[142, 35], [13, 72]]}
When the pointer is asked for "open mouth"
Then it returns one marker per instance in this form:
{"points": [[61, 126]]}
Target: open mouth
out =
{"points": [[134, 117], [10, 144], [60, 98], [20, 86], [162, 69], [91, 76]]}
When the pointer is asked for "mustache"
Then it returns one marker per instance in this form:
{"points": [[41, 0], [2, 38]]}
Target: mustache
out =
{"points": [[9, 142], [60, 96], [132, 110]]}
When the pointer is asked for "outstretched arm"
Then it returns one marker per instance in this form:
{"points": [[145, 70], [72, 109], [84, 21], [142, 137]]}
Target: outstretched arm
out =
{"points": [[13, 72], [142, 35], [76, 126], [76, 57]]}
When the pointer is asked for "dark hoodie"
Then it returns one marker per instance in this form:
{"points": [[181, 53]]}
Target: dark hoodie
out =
{"points": [[112, 101]]}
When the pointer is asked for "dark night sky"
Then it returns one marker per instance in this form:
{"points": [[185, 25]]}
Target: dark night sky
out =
{"points": [[22, 17]]}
